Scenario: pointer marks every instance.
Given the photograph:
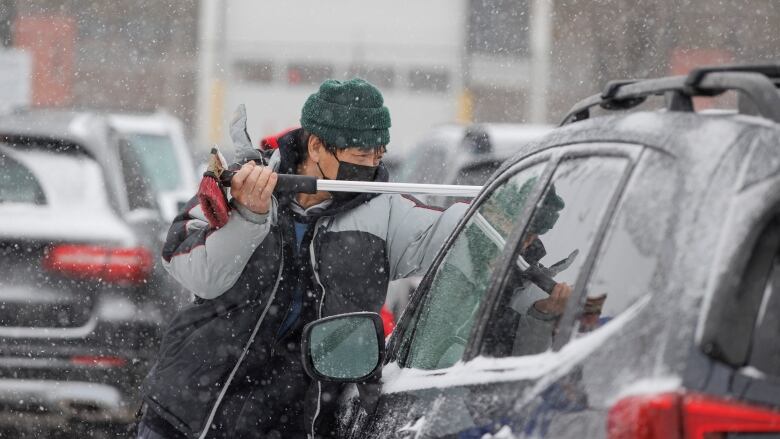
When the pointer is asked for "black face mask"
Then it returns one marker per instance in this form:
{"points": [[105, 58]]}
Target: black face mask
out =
{"points": [[353, 172], [350, 172]]}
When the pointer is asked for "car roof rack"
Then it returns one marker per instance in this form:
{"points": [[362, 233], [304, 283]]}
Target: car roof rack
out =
{"points": [[755, 83]]}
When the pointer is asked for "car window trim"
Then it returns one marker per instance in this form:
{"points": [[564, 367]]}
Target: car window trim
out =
{"points": [[396, 350], [630, 151]]}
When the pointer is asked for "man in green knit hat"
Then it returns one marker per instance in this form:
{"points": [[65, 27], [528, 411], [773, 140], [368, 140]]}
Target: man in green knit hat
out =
{"points": [[229, 364]]}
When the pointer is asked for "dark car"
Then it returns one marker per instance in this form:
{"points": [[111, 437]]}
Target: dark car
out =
{"points": [[82, 296], [666, 224], [464, 154]]}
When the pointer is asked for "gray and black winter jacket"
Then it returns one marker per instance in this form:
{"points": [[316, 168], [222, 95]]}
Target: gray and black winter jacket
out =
{"points": [[229, 363]]}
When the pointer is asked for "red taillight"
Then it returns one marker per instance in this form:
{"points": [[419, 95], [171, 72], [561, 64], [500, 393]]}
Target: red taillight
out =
{"points": [[100, 263], [687, 416], [388, 320], [706, 415], [98, 361]]}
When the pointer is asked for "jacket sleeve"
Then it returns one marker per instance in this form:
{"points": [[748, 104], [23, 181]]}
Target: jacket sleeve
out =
{"points": [[416, 232], [535, 329], [209, 261]]}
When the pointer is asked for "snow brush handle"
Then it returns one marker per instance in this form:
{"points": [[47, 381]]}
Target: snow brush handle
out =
{"points": [[286, 183], [541, 279]]}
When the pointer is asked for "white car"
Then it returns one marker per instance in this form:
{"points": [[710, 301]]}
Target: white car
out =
{"points": [[158, 141]]}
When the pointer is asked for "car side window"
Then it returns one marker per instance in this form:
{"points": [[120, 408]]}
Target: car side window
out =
{"points": [[139, 194], [740, 325], [629, 259], [18, 184], [551, 254], [764, 350], [444, 320], [157, 159]]}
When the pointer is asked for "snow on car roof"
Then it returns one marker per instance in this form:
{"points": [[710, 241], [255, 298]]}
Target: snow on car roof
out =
{"points": [[154, 123], [76, 207]]}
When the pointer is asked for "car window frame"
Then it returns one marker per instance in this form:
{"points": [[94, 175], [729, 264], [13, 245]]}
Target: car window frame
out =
{"points": [[633, 152], [396, 349]]}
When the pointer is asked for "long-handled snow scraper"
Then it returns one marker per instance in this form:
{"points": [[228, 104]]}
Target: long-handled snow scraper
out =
{"points": [[216, 179]]}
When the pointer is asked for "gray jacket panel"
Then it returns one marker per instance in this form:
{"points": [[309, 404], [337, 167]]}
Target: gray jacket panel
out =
{"points": [[210, 269]]}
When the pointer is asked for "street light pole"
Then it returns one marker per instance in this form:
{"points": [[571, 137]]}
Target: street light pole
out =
{"points": [[211, 37], [541, 35]]}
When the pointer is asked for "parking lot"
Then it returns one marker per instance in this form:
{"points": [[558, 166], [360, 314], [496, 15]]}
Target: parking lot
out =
{"points": [[440, 219]]}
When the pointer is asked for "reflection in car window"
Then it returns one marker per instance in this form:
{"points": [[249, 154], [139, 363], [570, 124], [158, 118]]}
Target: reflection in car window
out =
{"points": [[555, 244], [446, 317], [17, 183], [624, 269], [158, 160]]}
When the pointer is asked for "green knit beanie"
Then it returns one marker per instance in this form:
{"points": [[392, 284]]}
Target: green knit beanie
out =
{"points": [[547, 213], [346, 114]]}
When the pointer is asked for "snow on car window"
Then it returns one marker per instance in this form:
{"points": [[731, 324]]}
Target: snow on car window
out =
{"points": [[446, 318], [630, 254], [556, 243]]}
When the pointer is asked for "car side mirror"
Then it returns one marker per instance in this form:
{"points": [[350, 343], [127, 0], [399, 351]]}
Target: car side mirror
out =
{"points": [[344, 348]]}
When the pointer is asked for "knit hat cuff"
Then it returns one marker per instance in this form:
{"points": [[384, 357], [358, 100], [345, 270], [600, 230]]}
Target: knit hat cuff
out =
{"points": [[345, 126], [347, 114]]}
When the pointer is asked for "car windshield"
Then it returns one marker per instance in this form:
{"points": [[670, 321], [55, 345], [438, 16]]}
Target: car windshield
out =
{"points": [[158, 160]]}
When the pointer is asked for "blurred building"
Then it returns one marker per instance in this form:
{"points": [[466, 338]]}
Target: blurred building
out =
{"points": [[118, 56], [498, 59], [436, 60], [272, 55], [531, 60]]}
